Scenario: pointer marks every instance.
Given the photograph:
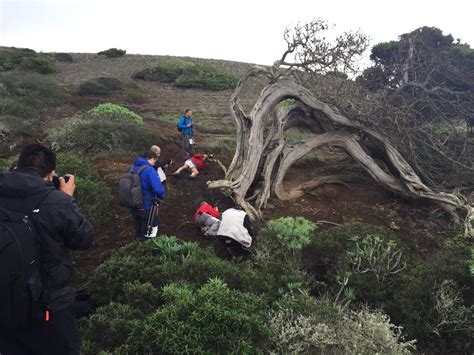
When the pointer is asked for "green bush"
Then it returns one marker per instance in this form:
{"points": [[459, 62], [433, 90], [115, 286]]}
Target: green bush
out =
{"points": [[99, 86], [285, 238], [38, 63], [211, 319], [134, 95], [23, 96], [112, 53], [167, 71], [63, 57], [11, 57], [205, 77], [147, 263], [109, 112], [188, 75], [305, 325], [94, 136], [92, 194], [109, 327]]}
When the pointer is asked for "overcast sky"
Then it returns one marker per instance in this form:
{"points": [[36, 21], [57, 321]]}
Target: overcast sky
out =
{"points": [[242, 30]]}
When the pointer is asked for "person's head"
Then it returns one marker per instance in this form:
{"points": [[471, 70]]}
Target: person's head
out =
{"points": [[151, 157], [156, 149], [188, 113], [39, 158]]}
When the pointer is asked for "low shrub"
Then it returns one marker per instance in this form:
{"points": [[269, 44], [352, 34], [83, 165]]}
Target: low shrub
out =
{"points": [[109, 327], [99, 86], [167, 71], [134, 96], [205, 77], [94, 135], [12, 57], [317, 326], [63, 57], [188, 75], [112, 53], [38, 63], [92, 194], [211, 319], [23, 96], [109, 112]]}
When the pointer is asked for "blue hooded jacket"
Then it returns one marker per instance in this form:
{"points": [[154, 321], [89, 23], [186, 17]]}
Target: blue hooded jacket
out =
{"points": [[151, 184], [183, 122]]}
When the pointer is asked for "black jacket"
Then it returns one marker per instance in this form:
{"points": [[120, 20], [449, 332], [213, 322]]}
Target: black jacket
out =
{"points": [[60, 224]]}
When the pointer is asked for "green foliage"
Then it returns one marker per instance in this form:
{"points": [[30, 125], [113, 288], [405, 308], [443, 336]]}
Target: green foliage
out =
{"points": [[99, 86], [92, 194], [110, 326], [115, 113], [63, 57], [23, 96], [373, 253], [93, 136], [188, 75], [134, 95], [321, 327], [471, 262], [167, 71], [169, 247], [38, 63], [112, 53], [285, 238], [205, 77], [12, 57], [213, 318]]}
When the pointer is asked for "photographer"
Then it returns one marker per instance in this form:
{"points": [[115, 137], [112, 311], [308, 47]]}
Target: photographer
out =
{"points": [[197, 163], [185, 126], [59, 225]]}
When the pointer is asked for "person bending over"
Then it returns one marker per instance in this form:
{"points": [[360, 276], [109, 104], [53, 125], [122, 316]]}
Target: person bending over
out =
{"points": [[196, 164]]}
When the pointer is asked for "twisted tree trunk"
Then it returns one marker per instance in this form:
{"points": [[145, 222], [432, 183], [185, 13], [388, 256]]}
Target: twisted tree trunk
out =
{"points": [[263, 157]]}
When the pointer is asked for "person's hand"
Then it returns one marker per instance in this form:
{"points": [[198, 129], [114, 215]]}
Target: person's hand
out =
{"points": [[188, 125], [216, 208], [67, 187]]}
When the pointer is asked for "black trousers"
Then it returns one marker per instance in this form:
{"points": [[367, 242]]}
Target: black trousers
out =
{"points": [[140, 222], [58, 336]]}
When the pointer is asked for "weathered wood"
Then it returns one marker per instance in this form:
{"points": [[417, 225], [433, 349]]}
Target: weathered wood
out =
{"points": [[263, 157]]}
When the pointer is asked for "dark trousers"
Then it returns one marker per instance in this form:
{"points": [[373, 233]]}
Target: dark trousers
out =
{"points": [[187, 148], [58, 336], [140, 222]]}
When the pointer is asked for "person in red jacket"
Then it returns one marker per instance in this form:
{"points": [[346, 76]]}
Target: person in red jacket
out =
{"points": [[195, 164]]}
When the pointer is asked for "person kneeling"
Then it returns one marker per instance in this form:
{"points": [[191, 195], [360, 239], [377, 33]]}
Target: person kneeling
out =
{"points": [[235, 231]]}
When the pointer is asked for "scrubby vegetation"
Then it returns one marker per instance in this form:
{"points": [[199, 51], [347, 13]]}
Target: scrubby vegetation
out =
{"points": [[112, 53], [27, 59], [105, 128], [179, 298], [91, 193], [99, 86], [63, 57], [22, 100], [188, 75]]}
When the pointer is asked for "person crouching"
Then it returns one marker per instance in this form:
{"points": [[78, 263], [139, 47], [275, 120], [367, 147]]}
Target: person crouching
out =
{"points": [[235, 232]]}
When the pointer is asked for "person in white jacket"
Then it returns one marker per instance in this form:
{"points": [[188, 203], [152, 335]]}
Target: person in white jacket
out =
{"points": [[235, 231]]}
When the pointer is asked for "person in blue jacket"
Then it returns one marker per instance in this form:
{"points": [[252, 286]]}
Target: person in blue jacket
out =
{"points": [[185, 126], [151, 190]]}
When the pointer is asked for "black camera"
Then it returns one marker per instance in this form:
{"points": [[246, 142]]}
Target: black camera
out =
{"points": [[56, 182]]}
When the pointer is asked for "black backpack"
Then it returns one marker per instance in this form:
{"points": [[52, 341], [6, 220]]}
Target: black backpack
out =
{"points": [[130, 188], [21, 286]]}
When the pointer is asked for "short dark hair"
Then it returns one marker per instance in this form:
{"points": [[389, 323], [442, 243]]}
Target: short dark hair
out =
{"points": [[187, 110], [150, 155], [38, 157]]}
